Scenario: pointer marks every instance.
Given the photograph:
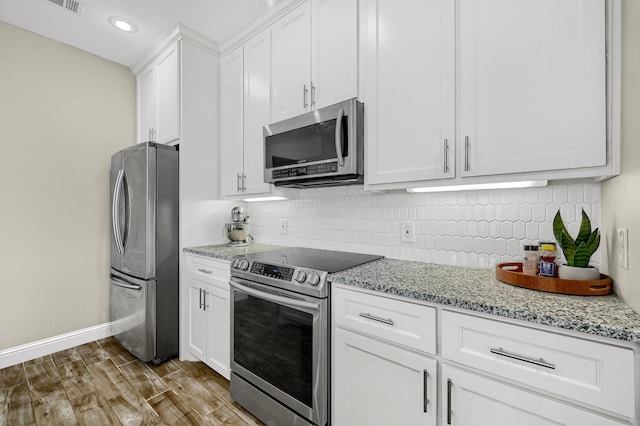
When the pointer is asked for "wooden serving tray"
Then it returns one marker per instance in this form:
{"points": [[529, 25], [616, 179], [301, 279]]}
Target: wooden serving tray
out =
{"points": [[511, 273]]}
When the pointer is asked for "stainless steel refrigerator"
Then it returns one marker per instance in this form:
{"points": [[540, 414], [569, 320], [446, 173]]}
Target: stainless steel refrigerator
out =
{"points": [[145, 250]]}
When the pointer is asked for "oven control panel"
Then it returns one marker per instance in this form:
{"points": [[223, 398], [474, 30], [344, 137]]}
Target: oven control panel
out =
{"points": [[272, 271], [294, 275]]}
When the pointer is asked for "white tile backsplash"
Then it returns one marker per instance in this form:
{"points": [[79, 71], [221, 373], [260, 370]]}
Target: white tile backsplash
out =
{"points": [[468, 228]]}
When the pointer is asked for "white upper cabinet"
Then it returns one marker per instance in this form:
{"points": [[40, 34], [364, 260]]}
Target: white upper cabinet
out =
{"points": [[315, 51], [231, 122], [479, 91], [409, 90], [257, 97], [159, 98], [245, 100], [292, 63], [532, 85], [334, 53]]}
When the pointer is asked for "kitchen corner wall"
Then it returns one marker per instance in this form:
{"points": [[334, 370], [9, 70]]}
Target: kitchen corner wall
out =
{"points": [[63, 113], [469, 228], [621, 195]]}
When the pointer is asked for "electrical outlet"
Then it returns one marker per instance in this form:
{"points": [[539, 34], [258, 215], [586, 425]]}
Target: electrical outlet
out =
{"points": [[623, 248], [408, 232], [283, 225]]}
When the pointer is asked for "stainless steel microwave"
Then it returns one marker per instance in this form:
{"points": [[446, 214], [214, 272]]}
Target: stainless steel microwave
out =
{"points": [[318, 148]]}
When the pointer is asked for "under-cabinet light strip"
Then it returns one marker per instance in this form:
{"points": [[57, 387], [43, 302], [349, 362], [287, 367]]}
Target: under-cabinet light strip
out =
{"points": [[478, 186]]}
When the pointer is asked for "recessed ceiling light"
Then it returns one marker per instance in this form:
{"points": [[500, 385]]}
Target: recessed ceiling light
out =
{"points": [[123, 24]]}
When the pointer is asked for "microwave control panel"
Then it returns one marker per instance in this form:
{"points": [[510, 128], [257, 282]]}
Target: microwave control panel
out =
{"points": [[312, 169]]}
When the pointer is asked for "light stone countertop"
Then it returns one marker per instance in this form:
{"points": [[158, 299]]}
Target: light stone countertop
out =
{"points": [[478, 290], [224, 252], [475, 289]]}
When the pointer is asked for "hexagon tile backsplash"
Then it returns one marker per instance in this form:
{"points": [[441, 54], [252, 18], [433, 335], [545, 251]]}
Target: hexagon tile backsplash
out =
{"points": [[467, 228]]}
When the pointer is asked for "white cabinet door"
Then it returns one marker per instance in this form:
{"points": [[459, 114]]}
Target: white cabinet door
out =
{"points": [[147, 103], [257, 79], [532, 85], [168, 126], [197, 331], [334, 63], [218, 329], [471, 400], [376, 383], [231, 122], [291, 64], [409, 89]]}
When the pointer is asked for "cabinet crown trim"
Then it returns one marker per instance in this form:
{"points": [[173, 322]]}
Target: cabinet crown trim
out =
{"points": [[177, 32]]}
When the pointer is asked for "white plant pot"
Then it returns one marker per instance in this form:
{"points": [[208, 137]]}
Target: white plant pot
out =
{"points": [[566, 272]]}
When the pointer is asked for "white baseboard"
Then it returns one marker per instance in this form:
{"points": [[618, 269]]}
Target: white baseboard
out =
{"points": [[26, 352]]}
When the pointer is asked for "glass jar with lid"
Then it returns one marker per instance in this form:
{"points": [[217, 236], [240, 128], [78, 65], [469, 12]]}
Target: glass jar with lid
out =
{"points": [[530, 260], [547, 256]]}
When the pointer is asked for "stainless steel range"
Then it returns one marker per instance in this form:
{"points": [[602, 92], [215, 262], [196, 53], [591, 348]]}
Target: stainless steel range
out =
{"points": [[280, 334]]}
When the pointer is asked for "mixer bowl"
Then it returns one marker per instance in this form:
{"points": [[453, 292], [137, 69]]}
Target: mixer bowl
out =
{"points": [[237, 232]]}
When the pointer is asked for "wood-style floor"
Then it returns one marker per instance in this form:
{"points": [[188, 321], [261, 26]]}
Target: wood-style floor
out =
{"points": [[100, 383]]}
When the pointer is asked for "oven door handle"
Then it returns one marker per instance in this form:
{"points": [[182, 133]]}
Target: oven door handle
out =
{"points": [[292, 303]]}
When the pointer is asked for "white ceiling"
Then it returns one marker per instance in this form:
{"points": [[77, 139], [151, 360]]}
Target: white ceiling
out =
{"points": [[215, 19]]}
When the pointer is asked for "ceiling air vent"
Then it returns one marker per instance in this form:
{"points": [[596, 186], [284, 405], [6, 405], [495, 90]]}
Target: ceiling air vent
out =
{"points": [[71, 5]]}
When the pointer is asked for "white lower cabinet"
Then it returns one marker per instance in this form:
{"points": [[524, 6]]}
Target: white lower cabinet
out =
{"points": [[376, 383], [403, 362], [209, 312], [382, 380], [472, 400]]}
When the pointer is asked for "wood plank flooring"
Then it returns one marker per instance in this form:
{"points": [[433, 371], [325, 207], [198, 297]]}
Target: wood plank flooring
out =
{"points": [[100, 383]]}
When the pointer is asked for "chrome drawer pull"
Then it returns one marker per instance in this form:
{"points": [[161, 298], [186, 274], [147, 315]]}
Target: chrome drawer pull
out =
{"points": [[449, 385], [425, 377], [205, 271], [536, 361], [375, 318]]}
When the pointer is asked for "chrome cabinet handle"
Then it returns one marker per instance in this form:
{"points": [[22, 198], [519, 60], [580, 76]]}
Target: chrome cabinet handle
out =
{"points": [[204, 300], [375, 318], [467, 167], [305, 91], [244, 182], [313, 95], [446, 156], [449, 385], [425, 376], [536, 361], [238, 187], [205, 271], [338, 137], [200, 299]]}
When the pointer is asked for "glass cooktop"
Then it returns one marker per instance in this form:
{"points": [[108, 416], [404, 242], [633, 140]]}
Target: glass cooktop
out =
{"points": [[320, 260]]}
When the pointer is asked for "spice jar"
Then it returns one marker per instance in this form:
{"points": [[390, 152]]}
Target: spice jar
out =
{"points": [[548, 260], [530, 260]]}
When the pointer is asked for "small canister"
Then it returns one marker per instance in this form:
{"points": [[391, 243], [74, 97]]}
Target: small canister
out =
{"points": [[530, 260], [547, 256]]}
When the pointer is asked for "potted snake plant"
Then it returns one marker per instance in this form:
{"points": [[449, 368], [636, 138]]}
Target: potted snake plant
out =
{"points": [[578, 251]]}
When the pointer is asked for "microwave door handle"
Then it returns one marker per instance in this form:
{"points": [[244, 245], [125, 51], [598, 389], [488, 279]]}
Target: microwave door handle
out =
{"points": [[339, 137]]}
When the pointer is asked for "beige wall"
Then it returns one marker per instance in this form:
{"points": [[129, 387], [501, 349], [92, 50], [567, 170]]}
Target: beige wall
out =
{"points": [[63, 112], [621, 195]]}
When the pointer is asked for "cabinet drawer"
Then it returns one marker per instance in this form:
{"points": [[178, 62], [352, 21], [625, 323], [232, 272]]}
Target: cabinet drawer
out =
{"points": [[594, 373], [208, 270], [404, 323]]}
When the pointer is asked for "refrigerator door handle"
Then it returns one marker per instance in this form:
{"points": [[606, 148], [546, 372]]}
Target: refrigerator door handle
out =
{"points": [[120, 283], [127, 212], [115, 207]]}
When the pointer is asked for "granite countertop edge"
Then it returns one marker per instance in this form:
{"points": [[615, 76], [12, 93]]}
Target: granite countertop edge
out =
{"points": [[605, 316], [474, 290]]}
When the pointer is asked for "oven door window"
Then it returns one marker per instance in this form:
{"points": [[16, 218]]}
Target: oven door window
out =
{"points": [[316, 142], [275, 343]]}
